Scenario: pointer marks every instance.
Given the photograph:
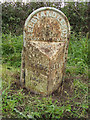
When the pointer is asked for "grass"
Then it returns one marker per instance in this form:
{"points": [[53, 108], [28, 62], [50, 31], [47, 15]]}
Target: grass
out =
{"points": [[70, 102]]}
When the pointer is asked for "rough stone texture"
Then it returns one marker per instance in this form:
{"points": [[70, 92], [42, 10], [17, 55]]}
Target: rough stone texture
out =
{"points": [[46, 38]]}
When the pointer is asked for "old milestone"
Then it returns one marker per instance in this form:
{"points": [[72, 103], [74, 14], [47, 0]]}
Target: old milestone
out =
{"points": [[45, 47]]}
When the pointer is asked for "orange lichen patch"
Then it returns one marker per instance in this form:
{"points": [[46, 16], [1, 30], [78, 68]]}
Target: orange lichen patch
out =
{"points": [[48, 28]]}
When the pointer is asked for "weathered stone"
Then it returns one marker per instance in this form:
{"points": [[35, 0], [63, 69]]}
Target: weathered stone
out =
{"points": [[46, 38]]}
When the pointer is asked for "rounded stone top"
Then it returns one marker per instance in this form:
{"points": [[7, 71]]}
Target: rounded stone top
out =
{"points": [[46, 24]]}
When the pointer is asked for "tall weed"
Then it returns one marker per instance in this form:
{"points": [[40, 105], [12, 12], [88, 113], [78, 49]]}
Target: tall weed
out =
{"points": [[11, 49], [77, 61]]}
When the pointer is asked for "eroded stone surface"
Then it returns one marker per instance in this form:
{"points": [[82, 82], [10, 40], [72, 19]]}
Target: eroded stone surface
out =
{"points": [[46, 37]]}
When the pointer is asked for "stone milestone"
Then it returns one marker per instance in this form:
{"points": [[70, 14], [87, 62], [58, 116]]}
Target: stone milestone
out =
{"points": [[45, 47]]}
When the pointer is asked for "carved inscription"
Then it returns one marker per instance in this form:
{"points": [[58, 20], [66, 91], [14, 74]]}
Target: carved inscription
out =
{"points": [[47, 26], [45, 50]]}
